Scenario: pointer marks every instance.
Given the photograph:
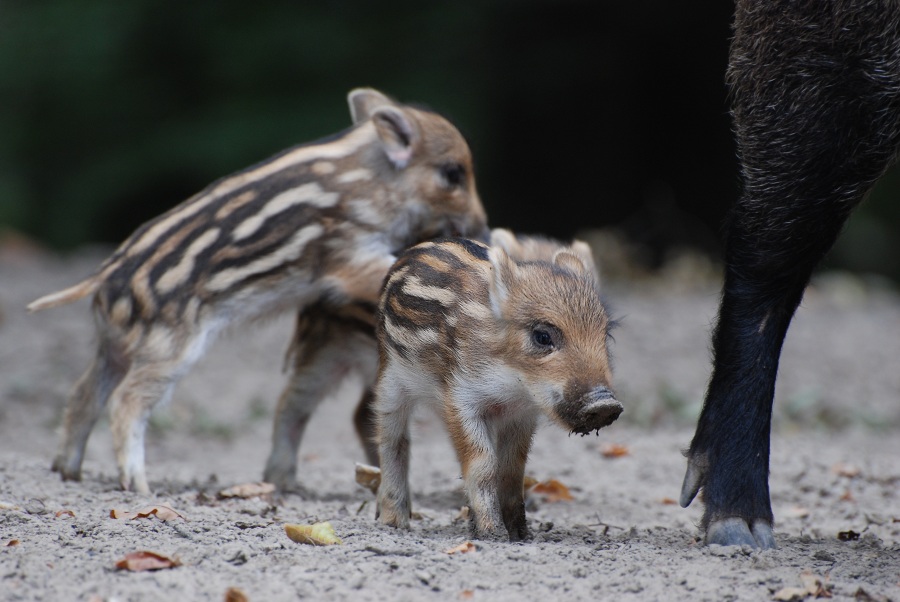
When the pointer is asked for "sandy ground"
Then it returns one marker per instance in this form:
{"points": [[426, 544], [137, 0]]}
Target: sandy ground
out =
{"points": [[835, 468]]}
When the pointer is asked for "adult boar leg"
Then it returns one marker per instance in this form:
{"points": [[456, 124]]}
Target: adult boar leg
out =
{"points": [[816, 103]]}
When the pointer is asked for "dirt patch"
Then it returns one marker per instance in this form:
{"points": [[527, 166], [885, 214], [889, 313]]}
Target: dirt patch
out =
{"points": [[834, 470]]}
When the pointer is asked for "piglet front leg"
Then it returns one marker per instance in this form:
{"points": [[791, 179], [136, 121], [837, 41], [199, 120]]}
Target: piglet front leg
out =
{"points": [[513, 445], [476, 450]]}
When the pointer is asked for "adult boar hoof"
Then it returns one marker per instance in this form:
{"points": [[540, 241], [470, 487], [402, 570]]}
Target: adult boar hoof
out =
{"points": [[738, 532]]}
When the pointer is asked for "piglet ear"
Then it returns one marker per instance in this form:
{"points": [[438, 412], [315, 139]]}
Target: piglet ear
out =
{"points": [[502, 273], [570, 261], [583, 251], [399, 135], [363, 101], [501, 237]]}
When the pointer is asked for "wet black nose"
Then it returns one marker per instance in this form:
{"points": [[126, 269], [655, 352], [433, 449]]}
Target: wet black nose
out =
{"points": [[600, 409]]}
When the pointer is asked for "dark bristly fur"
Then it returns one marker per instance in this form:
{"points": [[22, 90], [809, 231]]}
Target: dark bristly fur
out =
{"points": [[815, 88]]}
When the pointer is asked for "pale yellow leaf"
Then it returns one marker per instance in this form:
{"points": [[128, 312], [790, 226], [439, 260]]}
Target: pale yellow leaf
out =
{"points": [[318, 534]]}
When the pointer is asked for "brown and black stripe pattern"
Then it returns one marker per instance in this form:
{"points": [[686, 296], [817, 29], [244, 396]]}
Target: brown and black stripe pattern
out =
{"points": [[427, 292], [319, 224], [490, 337]]}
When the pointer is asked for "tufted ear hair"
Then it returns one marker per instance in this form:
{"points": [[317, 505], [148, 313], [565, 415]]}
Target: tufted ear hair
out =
{"points": [[398, 133], [363, 101]]}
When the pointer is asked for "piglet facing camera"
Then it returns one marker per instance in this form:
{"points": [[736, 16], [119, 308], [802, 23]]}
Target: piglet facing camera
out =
{"points": [[589, 411], [490, 342]]}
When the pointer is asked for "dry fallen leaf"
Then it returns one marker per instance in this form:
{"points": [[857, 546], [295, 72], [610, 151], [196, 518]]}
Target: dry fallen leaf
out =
{"points": [[552, 491], [796, 512], [368, 476], [466, 594], [862, 595], [786, 594], [146, 561], [163, 513], [813, 585], [248, 490], [65, 513], [233, 594], [845, 469], [12, 542], [463, 548], [613, 450], [318, 534], [667, 501]]}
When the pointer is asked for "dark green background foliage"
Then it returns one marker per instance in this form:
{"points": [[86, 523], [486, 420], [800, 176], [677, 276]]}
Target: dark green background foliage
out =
{"points": [[580, 114]]}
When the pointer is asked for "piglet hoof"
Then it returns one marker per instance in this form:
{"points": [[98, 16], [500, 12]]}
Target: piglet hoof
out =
{"points": [[391, 517], [284, 482], [136, 483], [519, 533], [500, 535], [738, 532], [65, 472]]}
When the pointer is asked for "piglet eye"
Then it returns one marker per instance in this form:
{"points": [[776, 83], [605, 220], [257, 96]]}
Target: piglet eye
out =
{"points": [[541, 337], [453, 174]]}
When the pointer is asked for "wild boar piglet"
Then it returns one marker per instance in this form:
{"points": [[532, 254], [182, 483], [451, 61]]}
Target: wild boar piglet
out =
{"points": [[317, 225], [490, 343]]}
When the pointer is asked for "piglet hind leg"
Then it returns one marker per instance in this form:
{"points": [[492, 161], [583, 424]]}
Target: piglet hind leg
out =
{"points": [[143, 388], [86, 403], [325, 352], [364, 420], [310, 382], [815, 128]]}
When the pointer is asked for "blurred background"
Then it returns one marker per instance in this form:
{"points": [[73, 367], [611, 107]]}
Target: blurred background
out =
{"points": [[582, 115]]}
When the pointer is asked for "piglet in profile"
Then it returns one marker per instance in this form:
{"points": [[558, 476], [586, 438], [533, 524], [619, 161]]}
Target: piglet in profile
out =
{"points": [[313, 229], [490, 343]]}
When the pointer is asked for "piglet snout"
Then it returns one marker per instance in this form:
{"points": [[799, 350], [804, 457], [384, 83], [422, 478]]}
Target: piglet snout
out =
{"points": [[600, 409]]}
